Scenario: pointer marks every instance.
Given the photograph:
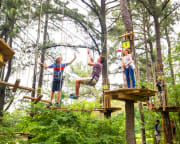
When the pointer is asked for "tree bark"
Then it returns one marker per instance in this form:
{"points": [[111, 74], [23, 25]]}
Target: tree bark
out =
{"points": [[43, 55], [36, 55], [170, 57], [158, 39], [102, 20], [146, 50], [104, 38], [143, 132], [130, 134]]}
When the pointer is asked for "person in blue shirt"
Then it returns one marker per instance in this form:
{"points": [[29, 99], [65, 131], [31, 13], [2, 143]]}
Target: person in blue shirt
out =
{"points": [[57, 83], [157, 131]]}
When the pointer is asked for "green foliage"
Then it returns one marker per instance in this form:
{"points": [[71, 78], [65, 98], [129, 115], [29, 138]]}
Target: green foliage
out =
{"points": [[53, 126]]}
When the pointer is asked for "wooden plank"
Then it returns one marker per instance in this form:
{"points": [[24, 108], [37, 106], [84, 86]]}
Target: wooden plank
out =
{"points": [[16, 85], [12, 85], [88, 110], [6, 51], [127, 34], [33, 98], [132, 94], [167, 109], [38, 99]]}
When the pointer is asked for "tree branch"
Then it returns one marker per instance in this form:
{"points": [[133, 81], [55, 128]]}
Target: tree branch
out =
{"points": [[175, 8], [110, 8], [92, 8], [165, 4], [110, 2], [145, 5]]}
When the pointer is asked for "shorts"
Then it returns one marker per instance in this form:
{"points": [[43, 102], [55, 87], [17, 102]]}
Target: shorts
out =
{"points": [[158, 137], [87, 80], [57, 85]]}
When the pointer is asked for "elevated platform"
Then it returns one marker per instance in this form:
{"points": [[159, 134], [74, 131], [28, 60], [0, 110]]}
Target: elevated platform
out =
{"points": [[6, 53], [113, 109], [127, 94], [132, 94], [167, 109], [16, 85]]}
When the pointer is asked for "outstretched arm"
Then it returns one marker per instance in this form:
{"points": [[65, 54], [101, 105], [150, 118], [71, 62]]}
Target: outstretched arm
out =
{"points": [[45, 66], [90, 61], [73, 59]]}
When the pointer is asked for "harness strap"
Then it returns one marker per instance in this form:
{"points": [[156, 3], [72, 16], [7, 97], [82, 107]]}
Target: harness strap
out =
{"points": [[90, 82]]}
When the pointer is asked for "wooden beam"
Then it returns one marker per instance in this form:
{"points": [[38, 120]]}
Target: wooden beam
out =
{"points": [[38, 99], [33, 98], [16, 85], [132, 94], [12, 85], [167, 109], [2, 63], [85, 109], [6, 51]]}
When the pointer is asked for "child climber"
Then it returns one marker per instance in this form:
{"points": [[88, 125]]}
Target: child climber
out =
{"points": [[57, 77], [97, 68], [128, 68]]}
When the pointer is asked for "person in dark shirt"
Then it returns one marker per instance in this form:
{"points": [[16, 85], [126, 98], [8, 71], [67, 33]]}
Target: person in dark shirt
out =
{"points": [[159, 85], [173, 127], [57, 83], [157, 131], [97, 68]]}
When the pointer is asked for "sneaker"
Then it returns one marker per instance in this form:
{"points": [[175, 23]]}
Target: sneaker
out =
{"points": [[72, 96], [57, 104], [49, 105]]}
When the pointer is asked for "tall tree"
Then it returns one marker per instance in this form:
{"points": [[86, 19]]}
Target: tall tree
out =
{"points": [[129, 105], [36, 51], [156, 9], [43, 52]]}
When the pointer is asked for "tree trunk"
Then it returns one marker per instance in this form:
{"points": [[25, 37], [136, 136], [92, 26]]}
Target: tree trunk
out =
{"points": [[36, 55], [129, 105], [146, 50], [167, 128], [43, 55], [104, 46], [143, 132], [158, 40], [165, 115], [104, 38], [130, 134], [170, 57]]}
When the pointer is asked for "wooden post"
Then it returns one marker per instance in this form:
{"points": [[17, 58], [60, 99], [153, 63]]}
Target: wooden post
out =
{"points": [[38, 99], [130, 133], [16, 85], [107, 98]]}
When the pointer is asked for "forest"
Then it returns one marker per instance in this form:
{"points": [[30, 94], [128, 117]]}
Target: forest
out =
{"points": [[118, 68]]}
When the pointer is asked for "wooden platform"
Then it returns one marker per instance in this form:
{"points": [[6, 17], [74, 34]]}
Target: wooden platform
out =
{"points": [[113, 109], [16, 85], [167, 109], [130, 94], [37, 99], [6, 53], [123, 94]]}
